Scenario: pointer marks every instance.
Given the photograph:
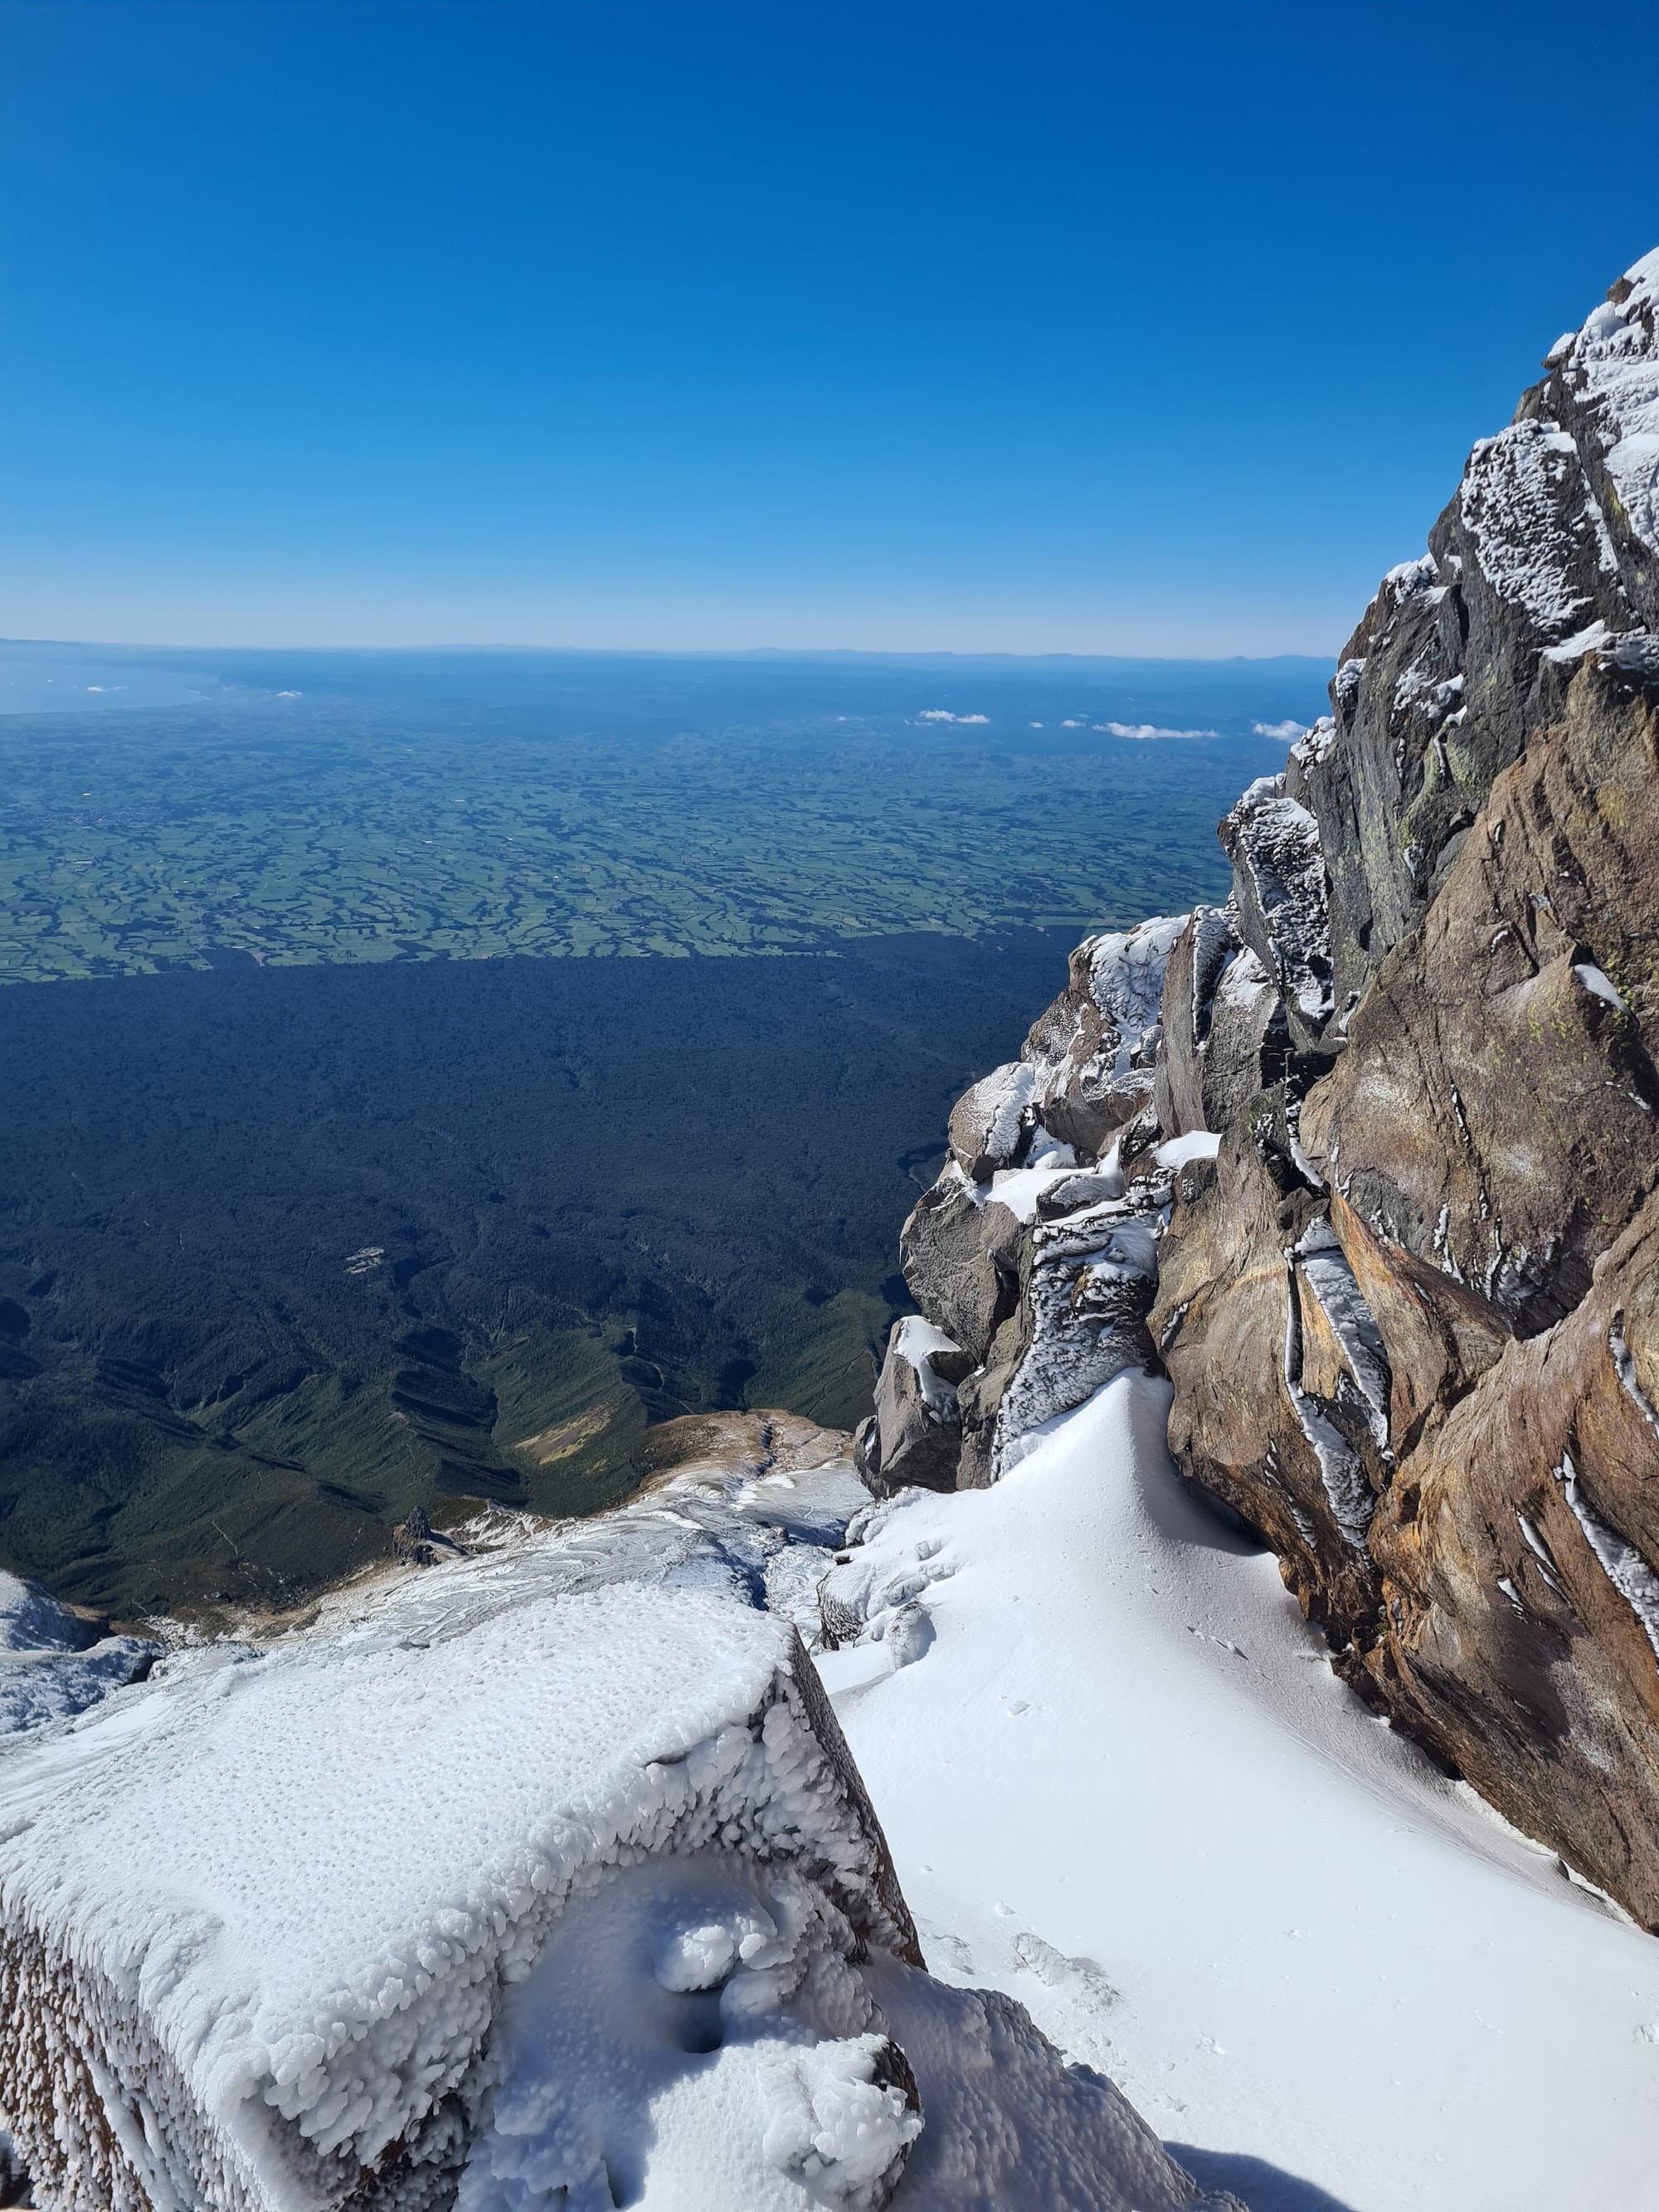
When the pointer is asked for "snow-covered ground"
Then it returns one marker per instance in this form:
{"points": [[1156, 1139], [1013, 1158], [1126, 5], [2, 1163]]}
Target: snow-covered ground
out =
{"points": [[1120, 1782]]}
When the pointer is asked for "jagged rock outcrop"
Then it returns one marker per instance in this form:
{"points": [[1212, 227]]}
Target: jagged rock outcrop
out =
{"points": [[1405, 1244]]}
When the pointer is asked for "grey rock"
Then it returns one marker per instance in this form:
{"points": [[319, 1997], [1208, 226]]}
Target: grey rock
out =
{"points": [[1091, 1054], [1282, 897], [956, 1262], [918, 1426], [1226, 1036], [991, 1122]]}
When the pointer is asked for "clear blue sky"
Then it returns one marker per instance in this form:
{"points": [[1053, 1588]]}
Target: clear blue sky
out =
{"points": [[1045, 327]]}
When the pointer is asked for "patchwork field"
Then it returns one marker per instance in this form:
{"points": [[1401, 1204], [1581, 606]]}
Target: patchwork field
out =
{"points": [[326, 1191]]}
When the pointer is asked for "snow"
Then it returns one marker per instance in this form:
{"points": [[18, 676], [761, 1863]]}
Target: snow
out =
{"points": [[1197, 1145], [1590, 639], [1121, 1784], [31, 1619], [693, 2037], [542, 1872], [1019, 1188]]}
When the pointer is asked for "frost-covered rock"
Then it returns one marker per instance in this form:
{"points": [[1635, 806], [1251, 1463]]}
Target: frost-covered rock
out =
{"points": [[1092, 1279], [958, 1263], [1224, 1034], [1280, 888], [53, 1663], [990, 1122], [1420, 1045], [1611, 369], [1091, 1054]]}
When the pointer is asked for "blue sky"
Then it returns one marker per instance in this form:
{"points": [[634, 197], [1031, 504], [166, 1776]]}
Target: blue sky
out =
{"points": [[1057, 328]]}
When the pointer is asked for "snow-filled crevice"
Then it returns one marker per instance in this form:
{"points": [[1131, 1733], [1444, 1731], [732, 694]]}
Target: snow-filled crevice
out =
{"points": [[1619, 1561], [1625, 1368], [1331, 1281], [1341, 1476]]}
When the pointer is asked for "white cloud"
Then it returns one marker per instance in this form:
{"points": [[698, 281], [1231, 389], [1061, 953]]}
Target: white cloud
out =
{"points": [[1152, 730], [1068, 724], [1290, 732], [1037, 726], [944, 714], [289, 695]]}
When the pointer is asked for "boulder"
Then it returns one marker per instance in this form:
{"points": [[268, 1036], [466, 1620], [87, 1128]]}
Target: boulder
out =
{"points": [[1225, 1036], [917, 1436], [1091, 1054], [955, 1261], [990, 1124]]}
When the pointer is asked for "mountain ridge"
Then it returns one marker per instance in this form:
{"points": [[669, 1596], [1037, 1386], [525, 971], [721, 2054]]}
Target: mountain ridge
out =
{"points": [[1366, 1158]]}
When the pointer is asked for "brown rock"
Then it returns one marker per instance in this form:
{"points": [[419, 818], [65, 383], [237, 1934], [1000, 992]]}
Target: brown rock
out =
{"points": [[1518, 1547]]}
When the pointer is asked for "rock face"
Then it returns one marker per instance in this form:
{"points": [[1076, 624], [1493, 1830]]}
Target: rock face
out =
{"points": [[1402, 1264]]}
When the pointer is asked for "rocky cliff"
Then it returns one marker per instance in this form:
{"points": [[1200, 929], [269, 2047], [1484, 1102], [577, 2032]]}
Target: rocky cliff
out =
{"points": [[1367, 1157]]}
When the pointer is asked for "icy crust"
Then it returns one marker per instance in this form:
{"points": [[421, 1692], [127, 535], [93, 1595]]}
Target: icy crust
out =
{"points": [[1613, 364], [256, 1917]]}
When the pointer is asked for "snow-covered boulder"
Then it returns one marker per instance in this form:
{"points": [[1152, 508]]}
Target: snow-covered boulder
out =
{"points": [[535, 1878], [258, 1917], [990, 1122]]}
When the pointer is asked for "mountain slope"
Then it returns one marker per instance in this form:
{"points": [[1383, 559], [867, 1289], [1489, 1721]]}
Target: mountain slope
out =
{"points": [[1367, 1158]]}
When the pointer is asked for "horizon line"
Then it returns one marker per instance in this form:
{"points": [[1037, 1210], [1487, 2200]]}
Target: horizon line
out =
{"points": [[680, 653]]}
